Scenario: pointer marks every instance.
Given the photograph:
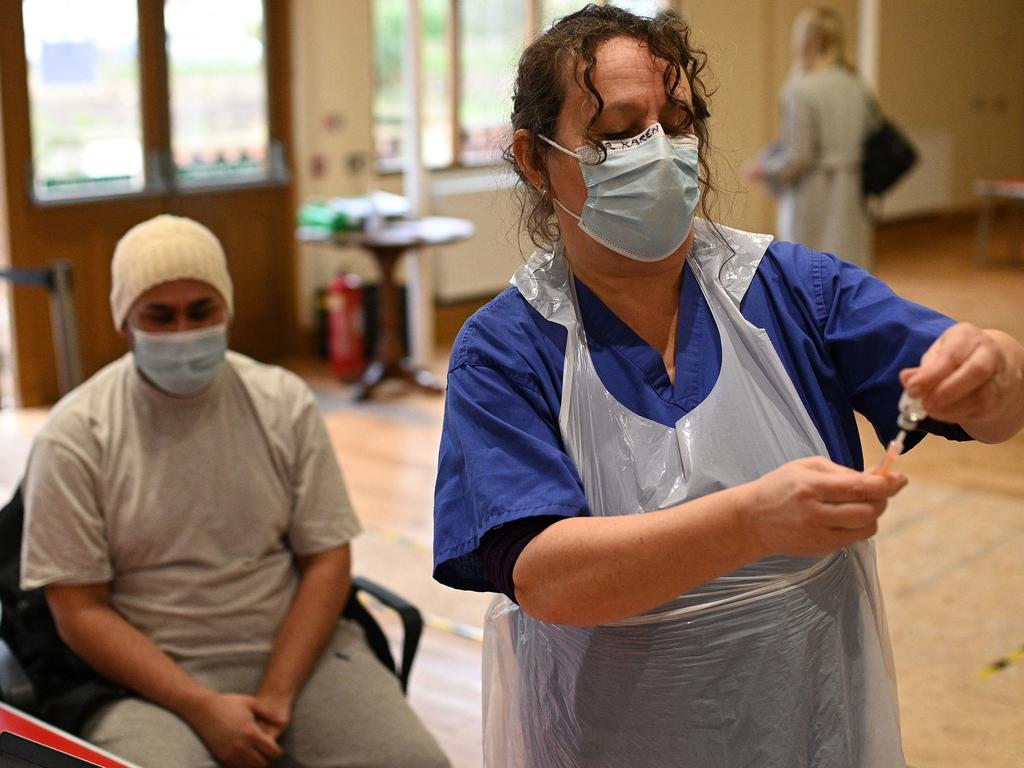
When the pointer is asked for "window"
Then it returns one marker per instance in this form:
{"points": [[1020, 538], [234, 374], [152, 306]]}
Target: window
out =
{"points": [[389, 99], [642, 7], [470, 52], [83, 81], [493, 34], [551, 10], [218, 89], [99, 106]]}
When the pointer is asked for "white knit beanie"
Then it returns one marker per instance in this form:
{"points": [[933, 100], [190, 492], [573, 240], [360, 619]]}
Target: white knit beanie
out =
{"points": [[163, 249]]}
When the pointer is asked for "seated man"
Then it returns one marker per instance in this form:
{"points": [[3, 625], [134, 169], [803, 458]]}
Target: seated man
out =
{"points": [[188, 519]]}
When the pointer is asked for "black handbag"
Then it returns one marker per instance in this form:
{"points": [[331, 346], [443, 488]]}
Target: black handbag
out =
{"points": [[888, 155]]}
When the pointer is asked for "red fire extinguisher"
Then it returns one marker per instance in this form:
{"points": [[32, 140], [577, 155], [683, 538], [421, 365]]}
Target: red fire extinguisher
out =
{"points": [[345, 332]]}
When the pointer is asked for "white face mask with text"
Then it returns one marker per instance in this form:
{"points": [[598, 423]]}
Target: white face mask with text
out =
{"points": [[642, 198]]}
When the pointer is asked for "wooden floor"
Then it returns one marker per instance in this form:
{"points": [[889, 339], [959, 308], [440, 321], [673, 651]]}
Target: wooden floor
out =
{"points": [[951, 548]]}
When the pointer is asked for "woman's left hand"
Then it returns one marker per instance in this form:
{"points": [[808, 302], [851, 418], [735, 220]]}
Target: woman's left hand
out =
{"points": [[974, 378]]}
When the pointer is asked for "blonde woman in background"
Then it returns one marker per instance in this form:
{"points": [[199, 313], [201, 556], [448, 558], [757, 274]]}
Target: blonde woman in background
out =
{"points": [[815, 167]]}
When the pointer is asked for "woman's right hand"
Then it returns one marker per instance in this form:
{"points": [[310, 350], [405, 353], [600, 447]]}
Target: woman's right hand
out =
{"points": [[813, 506]]}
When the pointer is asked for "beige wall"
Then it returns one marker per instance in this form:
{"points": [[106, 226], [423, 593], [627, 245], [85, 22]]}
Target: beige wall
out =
{"points": [[951, 73], [748, 47], [740, 72], [332, 81]]}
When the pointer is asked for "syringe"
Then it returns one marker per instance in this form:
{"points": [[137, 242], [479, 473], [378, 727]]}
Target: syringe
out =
{"points": [[911, 414]]}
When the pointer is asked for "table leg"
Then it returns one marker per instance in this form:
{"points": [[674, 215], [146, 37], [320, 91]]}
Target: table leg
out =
{"points": [[374, 374], [387, 351], [420, 377], [1015, 226], [389, 356], [984, 225]]}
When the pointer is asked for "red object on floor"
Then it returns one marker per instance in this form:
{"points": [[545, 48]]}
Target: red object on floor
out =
{"points": [[346, 334], [30, 728]]}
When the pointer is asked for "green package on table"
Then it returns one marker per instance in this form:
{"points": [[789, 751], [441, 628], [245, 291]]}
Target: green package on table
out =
{"points": [[324, 217]]}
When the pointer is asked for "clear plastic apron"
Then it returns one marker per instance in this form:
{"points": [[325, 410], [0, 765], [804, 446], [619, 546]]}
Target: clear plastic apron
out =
{"points": [[784, 662]]}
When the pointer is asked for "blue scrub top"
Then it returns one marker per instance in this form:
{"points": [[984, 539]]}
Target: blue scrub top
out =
{"points": [[842, 335]]}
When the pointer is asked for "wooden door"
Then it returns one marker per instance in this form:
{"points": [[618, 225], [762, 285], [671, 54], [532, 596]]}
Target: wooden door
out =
{"points": [[245, 199]]}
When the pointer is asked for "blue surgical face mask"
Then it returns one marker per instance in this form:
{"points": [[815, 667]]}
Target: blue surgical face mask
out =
{"points": [[181, 363], [641, 199]]}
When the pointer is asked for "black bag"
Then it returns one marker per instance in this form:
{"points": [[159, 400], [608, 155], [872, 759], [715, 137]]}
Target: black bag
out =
{"points": [[67, 689], [888, 155]]}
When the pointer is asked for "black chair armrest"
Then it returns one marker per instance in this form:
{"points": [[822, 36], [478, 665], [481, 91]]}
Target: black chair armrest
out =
{"points": [[15, 687], [412, 621]]}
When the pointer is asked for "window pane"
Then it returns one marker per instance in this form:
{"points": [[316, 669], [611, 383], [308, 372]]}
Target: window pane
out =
{"points": [[218, 89], [83, 78], [389, 94], [492, 37], [642, 7], [550, 10]]}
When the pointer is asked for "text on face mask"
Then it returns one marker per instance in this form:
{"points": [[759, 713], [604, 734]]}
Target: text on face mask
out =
{"points": [[634, 141]]}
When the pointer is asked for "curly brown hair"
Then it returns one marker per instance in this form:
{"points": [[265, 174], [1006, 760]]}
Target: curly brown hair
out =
{"points": [[544, 72]]}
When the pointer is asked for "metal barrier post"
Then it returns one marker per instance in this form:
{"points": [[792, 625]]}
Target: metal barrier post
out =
{"points": [[64, 327], [57, 280]]}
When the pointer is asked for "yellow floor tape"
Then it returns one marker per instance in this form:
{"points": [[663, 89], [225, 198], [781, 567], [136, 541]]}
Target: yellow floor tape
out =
{"points": [[1002, 663], [467, 631], [400, 538]]}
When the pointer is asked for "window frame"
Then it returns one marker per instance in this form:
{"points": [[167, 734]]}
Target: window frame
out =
{"points": [[533, 26], [160, 176]]}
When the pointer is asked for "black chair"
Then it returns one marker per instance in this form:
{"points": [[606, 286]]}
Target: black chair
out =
{"points": [[42, 676]]}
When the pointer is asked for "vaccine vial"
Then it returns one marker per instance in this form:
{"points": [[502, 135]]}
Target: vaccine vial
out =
{"points": [[912, 412]]}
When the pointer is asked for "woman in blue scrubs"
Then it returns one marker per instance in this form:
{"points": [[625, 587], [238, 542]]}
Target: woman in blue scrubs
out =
{"points": [[649, 447]]}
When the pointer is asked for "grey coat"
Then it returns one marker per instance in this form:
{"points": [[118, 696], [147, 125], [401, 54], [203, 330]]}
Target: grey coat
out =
{"points": [[815, 167]]}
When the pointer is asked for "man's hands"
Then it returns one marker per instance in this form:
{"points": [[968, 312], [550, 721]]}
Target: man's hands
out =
{"points": [[813, 506], [273, 712], [974, 378], [241, 731]]}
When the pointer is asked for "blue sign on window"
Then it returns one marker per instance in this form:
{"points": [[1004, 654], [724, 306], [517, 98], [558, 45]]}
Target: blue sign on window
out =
{"points": [[67, 62]]}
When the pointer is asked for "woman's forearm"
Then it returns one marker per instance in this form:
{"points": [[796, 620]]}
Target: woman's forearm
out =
{"points": [[596, 570]]}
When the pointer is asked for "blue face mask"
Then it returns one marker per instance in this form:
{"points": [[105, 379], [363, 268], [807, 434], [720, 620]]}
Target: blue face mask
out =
{"points": [[642, 198], [181, 363]]}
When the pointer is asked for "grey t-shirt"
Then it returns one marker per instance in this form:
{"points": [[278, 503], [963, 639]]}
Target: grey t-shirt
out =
{"points": [[192, 509]]}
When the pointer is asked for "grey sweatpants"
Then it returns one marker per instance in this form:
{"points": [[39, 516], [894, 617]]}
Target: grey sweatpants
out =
{"points": [[351, 712]]}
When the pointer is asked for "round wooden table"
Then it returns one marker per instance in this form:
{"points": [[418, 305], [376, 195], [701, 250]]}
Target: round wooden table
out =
{"points": [[989, 192], [387, 244]]}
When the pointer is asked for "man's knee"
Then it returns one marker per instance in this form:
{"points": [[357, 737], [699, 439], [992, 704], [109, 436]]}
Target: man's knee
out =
{"points": [[146, 735], [352, 712]]}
